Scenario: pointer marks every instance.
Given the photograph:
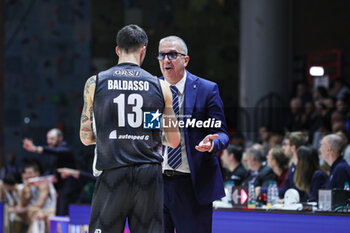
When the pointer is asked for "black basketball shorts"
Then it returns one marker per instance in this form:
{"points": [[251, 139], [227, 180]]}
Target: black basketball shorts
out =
{"points": [[134, 193]]}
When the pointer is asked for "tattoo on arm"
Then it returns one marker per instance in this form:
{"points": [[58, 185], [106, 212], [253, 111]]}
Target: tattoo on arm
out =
{"points": [[85, 136], [86, 129], [84, 118], [91, 113], [89, 83]]}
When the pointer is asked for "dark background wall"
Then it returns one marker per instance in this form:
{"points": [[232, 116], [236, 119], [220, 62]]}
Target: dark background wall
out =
{"points": [[320, 25], [210, 29]]}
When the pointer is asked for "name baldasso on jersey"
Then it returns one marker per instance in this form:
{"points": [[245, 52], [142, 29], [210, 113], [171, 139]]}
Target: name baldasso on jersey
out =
{"points": [[132, 85]]}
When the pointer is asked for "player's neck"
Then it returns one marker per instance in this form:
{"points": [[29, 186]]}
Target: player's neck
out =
{"points": [[130, 58]]}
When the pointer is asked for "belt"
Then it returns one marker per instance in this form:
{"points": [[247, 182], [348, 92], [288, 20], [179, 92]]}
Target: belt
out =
{"points": [[174, 173]]}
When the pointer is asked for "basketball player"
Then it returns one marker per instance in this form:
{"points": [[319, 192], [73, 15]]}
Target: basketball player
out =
{"points": [[124, 105]]}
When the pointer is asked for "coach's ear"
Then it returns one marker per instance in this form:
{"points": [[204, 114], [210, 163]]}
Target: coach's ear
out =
{"points": [[187, 59]]}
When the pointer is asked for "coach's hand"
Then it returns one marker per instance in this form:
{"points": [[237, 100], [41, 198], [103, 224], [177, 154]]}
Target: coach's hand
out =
{"points": [[207, 143]]}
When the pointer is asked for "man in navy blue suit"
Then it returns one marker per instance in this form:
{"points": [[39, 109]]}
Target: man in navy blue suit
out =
{"points": [[191, 172], [331, 150]]}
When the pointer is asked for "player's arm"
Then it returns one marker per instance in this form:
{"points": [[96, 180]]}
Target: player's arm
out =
{"points": [[44, 192], [87, 136], [171, 133]]}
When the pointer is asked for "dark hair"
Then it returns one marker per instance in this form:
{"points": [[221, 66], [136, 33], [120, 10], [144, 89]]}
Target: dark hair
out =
{"points": [[266, 127], [10, 179], [281, 159], [33, 165], [237, 151], [308, 164], [131, 37], [322, 91]]}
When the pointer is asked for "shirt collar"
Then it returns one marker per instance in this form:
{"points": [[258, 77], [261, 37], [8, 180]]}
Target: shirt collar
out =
{"points": [[180, 85]]}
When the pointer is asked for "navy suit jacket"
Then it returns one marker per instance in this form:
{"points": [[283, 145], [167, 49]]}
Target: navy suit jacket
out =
{"points": [[202, 102]]}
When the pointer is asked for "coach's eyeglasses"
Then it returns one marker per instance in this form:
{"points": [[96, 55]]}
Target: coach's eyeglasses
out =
{"points": [[171, 55]]}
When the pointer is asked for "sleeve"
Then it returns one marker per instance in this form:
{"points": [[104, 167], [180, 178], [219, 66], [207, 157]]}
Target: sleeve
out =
{"points": [[318, 181], [269, 176], [215, 109], [86, 177], [339, 177], [57, 151]]}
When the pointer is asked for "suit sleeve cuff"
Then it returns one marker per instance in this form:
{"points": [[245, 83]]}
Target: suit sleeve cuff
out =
{"points": [[212, 146]]}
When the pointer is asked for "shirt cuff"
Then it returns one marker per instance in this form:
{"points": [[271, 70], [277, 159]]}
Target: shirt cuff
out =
{"points": [[212, 146]]}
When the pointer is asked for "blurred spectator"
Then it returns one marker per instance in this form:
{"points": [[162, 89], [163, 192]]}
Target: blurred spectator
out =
{"points": [[308, 116], [338, 88], [303, 93], [292, 142], [264, 137], [56, 147], [338, 126], [329, 103], [231, 161], [42, 202], [68, 189], [308, 177], [260, 174], [342, 105], [336, 117], [275, 139], [346, 151], [279, 162], [322, 123], [294, 119], [238, 139], [331, 149], [320, 93], [10, 191], [11, 167]]}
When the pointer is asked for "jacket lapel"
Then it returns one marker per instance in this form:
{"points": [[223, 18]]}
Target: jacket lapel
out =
{"points": [[191, 88]]}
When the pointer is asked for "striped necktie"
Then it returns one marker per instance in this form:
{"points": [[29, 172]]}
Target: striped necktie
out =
{"points": [[174, 154]]}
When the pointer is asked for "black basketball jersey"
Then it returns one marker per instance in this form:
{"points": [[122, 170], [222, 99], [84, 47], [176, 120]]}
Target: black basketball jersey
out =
{"points": [[128, 104]]}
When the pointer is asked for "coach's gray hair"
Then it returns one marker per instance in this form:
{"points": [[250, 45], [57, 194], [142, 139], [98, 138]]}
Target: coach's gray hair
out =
{"points": [[335, 142], [182, 43]]}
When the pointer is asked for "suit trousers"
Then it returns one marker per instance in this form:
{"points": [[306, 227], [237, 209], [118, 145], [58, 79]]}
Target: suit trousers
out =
{"points": [[181, 208]]}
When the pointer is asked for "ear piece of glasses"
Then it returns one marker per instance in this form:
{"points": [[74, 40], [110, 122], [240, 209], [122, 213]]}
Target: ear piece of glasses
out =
{"points": [[171, 55]]}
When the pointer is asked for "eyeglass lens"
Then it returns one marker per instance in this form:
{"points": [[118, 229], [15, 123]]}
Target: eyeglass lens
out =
{"points": [[171, 55]]}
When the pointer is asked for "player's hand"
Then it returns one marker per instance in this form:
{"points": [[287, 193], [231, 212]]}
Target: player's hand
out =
{"points": [[66, 172], [206, 143]]}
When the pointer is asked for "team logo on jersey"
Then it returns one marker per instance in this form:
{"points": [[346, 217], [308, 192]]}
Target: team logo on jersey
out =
{"points": [[152, 120], [98, 231]]}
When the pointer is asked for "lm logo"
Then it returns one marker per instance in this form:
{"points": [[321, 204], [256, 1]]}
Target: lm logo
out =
{"points": [[98, 231], [151, 120]]}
